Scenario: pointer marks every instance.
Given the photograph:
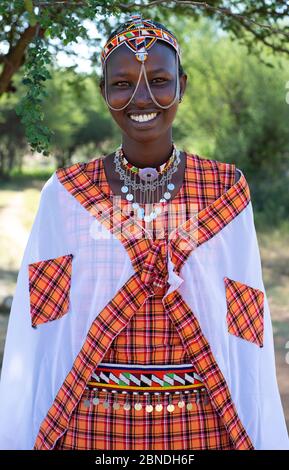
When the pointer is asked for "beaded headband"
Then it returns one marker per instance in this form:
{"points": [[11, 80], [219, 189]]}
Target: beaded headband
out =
{"points": [[139, 38]]}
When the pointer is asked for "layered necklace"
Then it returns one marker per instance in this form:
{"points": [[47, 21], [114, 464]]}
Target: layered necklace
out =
{"points": [[151, 181]]}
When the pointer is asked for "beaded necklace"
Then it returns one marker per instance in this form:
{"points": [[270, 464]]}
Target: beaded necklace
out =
{"points": [[150, 181], [160, 169]]}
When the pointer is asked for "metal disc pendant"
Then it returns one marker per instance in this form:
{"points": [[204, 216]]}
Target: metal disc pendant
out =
{"points": [[124, 189], [167, 195], [159, 407], [170, 407], [138, 406], [126, 406], [129, 197], [147, 218], [116, 405], [148, 174], [95, 401], [181, 404], [140, 213], [105, 404], [86, 403], [149, 408], [189, 406], [171, 186]]}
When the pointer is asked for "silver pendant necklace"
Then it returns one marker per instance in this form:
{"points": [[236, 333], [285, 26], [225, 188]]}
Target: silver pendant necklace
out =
{"points": [[150, 182]]}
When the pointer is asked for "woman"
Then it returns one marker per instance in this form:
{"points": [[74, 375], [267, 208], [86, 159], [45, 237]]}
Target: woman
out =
{"points": [[140, 319]]}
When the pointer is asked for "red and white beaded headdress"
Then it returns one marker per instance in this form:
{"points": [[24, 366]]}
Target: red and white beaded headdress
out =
{"points": [[139, 37]]}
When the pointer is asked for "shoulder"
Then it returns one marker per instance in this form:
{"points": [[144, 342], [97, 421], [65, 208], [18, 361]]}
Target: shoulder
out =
{"points": [[80, 164], [225, 171], [74, 170]]}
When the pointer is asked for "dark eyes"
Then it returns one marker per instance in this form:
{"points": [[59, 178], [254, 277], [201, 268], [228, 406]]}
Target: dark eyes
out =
{"points": [[161, 81]]}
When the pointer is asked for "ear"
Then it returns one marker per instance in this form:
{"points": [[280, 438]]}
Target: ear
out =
{"points": [[183, 84]]}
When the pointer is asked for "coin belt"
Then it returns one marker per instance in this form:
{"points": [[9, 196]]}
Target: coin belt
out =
{"points": [[161, 387]]}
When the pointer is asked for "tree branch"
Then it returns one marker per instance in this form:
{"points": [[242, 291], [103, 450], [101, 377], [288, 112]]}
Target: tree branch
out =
{"points": [[214, 9], [15, 57]]}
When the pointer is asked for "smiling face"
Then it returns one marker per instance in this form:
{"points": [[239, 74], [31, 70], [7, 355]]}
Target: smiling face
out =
{"points": [[122, 74]]}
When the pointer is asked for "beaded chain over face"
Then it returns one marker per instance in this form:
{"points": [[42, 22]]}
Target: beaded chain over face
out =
{"points": [[139, 37]]}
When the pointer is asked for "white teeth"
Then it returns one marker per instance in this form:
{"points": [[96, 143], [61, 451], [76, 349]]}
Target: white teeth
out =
{"points": [[143, 117]]}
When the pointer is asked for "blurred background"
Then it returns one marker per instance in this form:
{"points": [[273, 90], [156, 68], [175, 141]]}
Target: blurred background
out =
{"points": [[235, 109]]}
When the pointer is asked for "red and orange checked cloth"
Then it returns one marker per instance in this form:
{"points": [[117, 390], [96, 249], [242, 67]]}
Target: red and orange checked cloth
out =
{"points": [[149, 386]]}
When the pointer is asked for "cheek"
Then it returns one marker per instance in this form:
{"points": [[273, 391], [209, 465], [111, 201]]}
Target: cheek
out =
{"points": [[168, 115], [172, 111]]}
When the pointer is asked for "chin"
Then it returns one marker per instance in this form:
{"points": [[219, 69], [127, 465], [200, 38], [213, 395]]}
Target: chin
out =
{"points": [[144, 137]]}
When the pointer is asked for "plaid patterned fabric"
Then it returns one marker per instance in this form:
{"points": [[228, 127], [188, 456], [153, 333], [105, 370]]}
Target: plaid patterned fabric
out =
{"points": [[199, 349], [117, 429], [49, 287], [139, 315], [245, 315]]}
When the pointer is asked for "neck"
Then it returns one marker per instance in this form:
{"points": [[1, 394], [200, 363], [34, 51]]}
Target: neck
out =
{"points": [[148, 154]]}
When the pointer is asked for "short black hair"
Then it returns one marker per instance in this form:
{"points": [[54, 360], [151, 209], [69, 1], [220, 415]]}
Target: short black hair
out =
{"points": [[123, 27]]}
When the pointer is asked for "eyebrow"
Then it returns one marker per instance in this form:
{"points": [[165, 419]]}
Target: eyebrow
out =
{"points": [[125, 74]]}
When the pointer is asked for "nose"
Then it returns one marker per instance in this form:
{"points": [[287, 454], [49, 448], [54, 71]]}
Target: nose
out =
{"points": [[142, 95]]}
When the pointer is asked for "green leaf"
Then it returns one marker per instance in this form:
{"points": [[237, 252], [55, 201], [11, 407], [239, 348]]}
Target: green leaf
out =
{"points": [[28, 4], [32, 19], [26, 81]]}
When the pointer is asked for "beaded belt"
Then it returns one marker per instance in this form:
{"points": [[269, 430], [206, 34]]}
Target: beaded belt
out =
{"points": [[148, 386]]}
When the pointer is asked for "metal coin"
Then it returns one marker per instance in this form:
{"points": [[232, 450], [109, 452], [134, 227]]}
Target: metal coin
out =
{"points": [[126, 406], [95, 401], [181, 404], [140, 214], [105, 404], [159, 407], [138, 406], [86, 403], [171, 408], [116, 406], [189, 406], [149, 408]]}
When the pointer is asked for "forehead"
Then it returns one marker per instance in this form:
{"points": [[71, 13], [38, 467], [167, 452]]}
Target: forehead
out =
{"points": [[123, 59]]}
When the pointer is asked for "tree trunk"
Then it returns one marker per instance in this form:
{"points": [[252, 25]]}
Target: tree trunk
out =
{"points": [[16, 57]]}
